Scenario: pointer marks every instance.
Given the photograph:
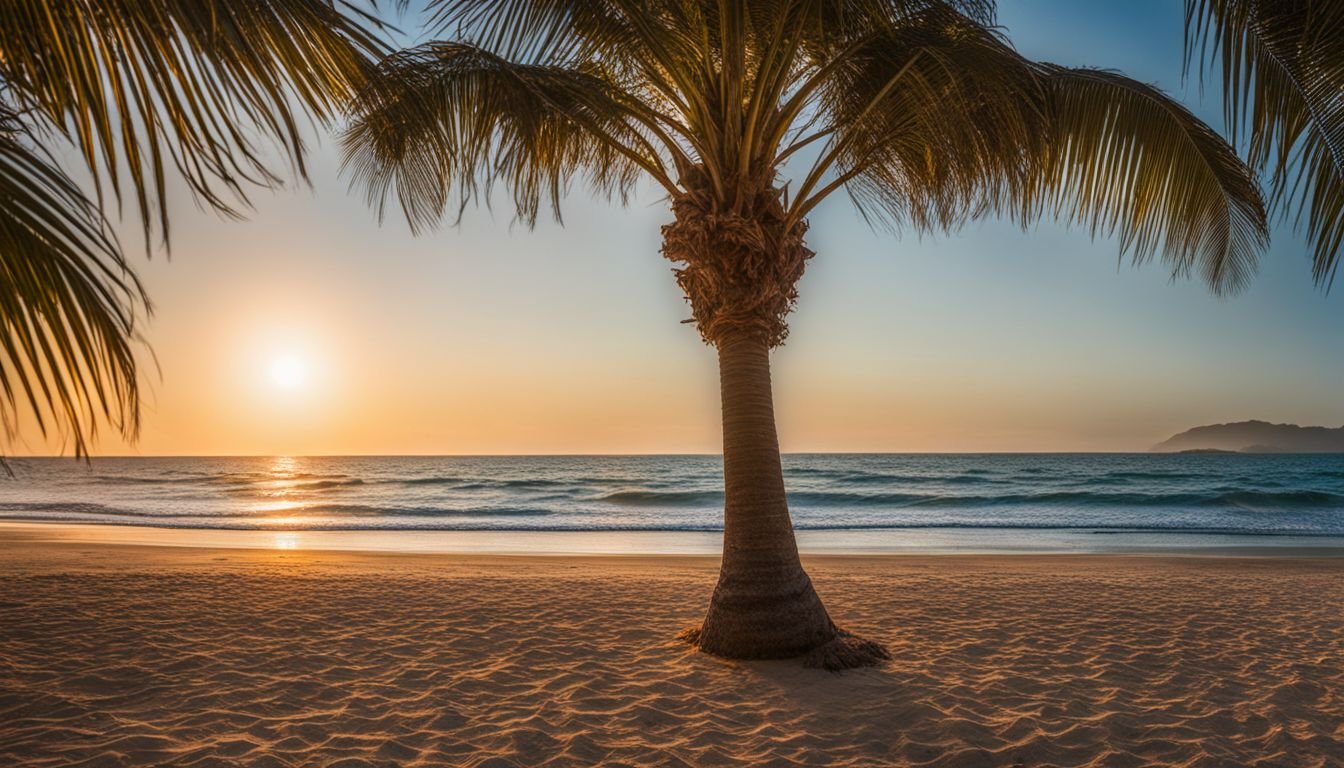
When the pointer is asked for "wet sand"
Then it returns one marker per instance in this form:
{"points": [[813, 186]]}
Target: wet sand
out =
{"points": [[115, 655]]}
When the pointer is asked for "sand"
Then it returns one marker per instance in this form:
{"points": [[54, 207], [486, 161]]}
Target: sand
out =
{"points": [[121, 655]]}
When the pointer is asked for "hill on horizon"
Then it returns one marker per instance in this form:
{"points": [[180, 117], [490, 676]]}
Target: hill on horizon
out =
{"points": [[1256, 437]]}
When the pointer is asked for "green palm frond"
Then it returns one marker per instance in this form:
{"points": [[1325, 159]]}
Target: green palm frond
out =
{"points": [[216, 91], [712, 71], [917, 108], [1128, 161], [1282, 70], [68, 305], [926, 120], [445, 121], [211, 89]]}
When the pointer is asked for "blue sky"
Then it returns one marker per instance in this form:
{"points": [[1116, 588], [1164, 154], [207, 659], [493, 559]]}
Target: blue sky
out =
{"points": [[490, 338]]}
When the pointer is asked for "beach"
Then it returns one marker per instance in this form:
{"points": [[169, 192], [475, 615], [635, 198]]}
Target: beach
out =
{"points": [[419, 457], [123, 655]]}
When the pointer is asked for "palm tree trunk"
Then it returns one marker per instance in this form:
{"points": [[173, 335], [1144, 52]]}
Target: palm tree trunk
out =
{"points": [[764, 606]]}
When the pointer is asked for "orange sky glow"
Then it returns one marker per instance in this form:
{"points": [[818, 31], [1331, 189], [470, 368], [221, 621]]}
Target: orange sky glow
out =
{"points": [[311, 329]]}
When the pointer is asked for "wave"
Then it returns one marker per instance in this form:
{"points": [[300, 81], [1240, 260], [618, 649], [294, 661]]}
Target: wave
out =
{"points": [[1156, 475], [515, 485], [479, 484], [278, 488], [465, 522], [1281, 498], [1221, 498], [312, 516], [1217, 499], [83, 511], [1264, 494], [75, 507], [431, 480], [318, 485], [877, 478], [663, 498], [300, 479], [381, 510]]}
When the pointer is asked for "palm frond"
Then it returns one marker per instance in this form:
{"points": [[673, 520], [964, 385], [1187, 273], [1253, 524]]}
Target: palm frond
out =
{"points": [[1282, 71], [68, 306], [714, 71], [919, 109], [537, 26], [927, 119], [1128, 161], [441, 123], [211, 88]]}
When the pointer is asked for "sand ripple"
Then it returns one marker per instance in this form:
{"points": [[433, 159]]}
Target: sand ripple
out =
{"points": [[307, 660]]}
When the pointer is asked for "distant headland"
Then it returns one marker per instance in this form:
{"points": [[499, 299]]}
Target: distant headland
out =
{"points": [[1255, 437]]}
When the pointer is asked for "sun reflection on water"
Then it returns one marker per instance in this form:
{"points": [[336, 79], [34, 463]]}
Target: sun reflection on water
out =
{"points": [[283, 465]]}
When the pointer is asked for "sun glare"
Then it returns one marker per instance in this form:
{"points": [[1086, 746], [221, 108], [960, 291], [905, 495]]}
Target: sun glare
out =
{"points": [[288, 373]]}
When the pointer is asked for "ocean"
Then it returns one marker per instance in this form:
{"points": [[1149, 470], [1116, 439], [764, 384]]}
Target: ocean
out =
{"points": [[871, 495]]}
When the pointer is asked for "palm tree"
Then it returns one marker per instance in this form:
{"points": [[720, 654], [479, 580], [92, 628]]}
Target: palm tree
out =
{"points": [[1282, 70], [750, 114], [213, 91]]}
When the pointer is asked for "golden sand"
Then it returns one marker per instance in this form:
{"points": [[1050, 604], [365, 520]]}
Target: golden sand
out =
{"points": [[119, 655]]}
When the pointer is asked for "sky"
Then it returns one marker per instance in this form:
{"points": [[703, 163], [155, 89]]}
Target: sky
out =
{"points": [[313, 329]]}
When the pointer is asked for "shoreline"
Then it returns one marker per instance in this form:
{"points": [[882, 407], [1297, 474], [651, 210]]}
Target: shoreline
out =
{"points": [[909, 542]]}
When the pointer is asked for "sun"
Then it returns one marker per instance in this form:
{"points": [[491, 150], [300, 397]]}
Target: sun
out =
{"points": [[289, 372]]}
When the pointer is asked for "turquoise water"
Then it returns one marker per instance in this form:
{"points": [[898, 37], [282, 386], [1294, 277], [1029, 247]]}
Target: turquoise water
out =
{"points": [[1287, 495]]}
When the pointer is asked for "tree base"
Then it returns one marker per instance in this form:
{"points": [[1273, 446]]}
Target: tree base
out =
{"points": [[847, 651], [844, 651], [769, 610]]}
